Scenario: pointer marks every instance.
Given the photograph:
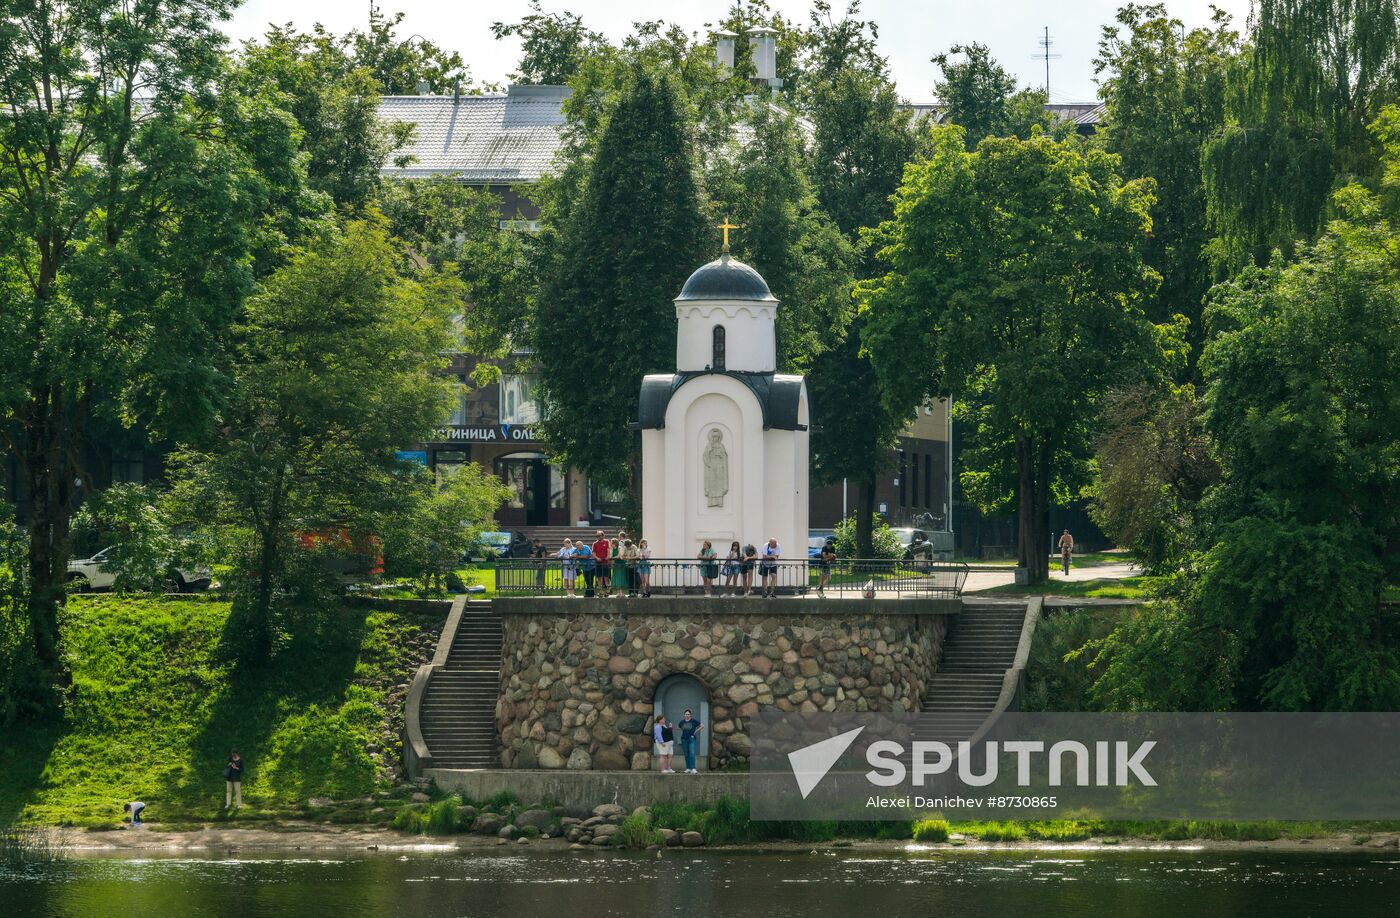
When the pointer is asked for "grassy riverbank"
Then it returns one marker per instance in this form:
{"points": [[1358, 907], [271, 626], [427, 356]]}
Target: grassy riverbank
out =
{"points": [[156, 705]]}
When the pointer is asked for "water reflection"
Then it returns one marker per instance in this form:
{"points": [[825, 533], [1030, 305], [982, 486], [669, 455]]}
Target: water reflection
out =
{"points": [[1153, 884]]}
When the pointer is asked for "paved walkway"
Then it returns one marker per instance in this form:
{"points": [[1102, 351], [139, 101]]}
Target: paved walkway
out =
{"points": [[1116, 570]]}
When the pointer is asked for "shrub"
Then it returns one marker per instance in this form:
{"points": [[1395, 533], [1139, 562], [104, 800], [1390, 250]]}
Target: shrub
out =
{"points": [[442, 817], [931, 830], [635, 832], [996, 831], [884, 540]]}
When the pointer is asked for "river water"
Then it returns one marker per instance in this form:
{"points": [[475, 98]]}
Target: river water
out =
{"points": [[845, 882]]}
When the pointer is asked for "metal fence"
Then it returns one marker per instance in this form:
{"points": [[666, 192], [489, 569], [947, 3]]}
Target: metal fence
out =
{"points": [[676, 576]]}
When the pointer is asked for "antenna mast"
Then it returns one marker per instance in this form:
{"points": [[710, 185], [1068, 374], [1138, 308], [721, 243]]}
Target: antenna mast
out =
{"points": [[1046, 43]]}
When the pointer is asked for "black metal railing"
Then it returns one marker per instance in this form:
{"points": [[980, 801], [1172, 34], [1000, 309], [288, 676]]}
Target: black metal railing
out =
{"points": [[689, 576]]}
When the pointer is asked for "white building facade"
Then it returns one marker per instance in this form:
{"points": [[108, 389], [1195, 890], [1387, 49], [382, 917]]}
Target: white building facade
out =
{"points": [[725, 437]]}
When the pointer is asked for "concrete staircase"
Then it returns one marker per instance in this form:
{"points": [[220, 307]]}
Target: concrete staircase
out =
{"points": [[980, 669], [457, 716]]}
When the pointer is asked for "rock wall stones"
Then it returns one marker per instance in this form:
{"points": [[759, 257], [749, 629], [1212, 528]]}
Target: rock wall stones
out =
{"points": [[577, 687]]}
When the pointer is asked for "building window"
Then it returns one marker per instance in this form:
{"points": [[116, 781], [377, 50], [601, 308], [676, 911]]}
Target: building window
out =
{"points": [[447, 463], [128, 469], [519, 403], [717, 363], [914, 479]]}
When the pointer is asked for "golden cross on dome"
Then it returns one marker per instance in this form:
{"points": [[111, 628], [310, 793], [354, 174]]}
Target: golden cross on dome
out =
{"points": [[726, 226]]}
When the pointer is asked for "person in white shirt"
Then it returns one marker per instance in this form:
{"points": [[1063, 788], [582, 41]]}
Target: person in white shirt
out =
{"points": [[768, 567]]}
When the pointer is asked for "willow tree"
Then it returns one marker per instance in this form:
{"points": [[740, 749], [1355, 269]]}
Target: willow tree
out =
{"points": [[1015, 284], [1164, 93], [1317, 73]]}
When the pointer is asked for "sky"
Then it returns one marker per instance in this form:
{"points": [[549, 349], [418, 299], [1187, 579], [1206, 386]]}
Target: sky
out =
{"points": [[911, 31]]}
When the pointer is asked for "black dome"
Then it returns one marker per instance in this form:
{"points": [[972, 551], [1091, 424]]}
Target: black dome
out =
{"points": [[726, 278]]}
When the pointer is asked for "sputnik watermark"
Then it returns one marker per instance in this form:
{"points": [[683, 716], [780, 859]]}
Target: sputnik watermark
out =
{"points": [[902, 765], [1113, 763]]}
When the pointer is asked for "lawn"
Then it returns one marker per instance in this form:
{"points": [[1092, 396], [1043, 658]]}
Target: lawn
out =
{"points": [[1139, 587], [155, 707]]}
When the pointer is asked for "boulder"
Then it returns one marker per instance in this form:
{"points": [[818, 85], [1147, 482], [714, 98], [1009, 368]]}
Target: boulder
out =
{"points": [[487, 824], [599, 841], [539, 819], [604, 831], [631, 723], [739, 744], [506, 832], [592, 821], [608, 809], [692, 839], [610, 760], [522, 840], [670, 837], [550, 758], [580, 760]]}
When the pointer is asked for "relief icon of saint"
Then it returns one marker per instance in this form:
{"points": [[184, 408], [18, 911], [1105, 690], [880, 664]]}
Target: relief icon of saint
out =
{"points": [[716, 460]]}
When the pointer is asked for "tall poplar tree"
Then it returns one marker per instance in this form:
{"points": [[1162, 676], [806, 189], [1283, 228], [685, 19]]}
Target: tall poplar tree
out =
{"points": [[604, 316]]}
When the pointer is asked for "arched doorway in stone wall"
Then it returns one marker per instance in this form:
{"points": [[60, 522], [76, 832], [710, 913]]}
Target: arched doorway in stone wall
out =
{"points": [[674, 694]]}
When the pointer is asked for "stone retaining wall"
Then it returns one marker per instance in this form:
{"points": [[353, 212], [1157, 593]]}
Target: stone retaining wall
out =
{"points": [[578, 677]]}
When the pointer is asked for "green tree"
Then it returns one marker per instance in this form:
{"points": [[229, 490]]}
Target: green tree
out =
{"points": [[334, 99], [129, 520], [808, 264], [553, 45], [134, 200], [427, 539], [1164, 96], [861, 142], [982, 97], [604, 316], [336, 368], [457, 229], [1016, 284], [1317, 72], [1299, 538], [399, 65]]}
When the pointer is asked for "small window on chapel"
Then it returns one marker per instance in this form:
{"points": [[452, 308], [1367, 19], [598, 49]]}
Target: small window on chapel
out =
{"points": [[717, 362]]}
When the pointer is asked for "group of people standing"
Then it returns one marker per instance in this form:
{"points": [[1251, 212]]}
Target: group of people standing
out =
{"points": [[738, 568], [608, 566], [665, 734]]}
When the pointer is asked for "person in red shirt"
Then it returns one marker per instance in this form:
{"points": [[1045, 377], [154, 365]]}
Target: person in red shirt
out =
{"points": [[602, 551]]}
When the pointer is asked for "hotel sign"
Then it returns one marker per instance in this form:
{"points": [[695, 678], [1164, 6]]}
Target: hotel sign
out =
{"points": [[499, 433]]}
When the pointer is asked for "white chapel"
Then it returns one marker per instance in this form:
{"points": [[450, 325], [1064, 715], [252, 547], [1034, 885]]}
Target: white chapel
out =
{"points": [[724, 438]]}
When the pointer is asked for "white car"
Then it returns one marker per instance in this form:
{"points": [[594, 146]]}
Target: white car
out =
{"points": [[92, 574]]}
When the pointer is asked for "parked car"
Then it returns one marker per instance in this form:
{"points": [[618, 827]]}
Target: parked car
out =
{"points": [[915, 543], [499, 544], [816, 538], [93, 574]]}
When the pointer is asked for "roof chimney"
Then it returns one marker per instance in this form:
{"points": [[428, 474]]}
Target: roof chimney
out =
{"points": [[764, 44], [724, 50]]}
